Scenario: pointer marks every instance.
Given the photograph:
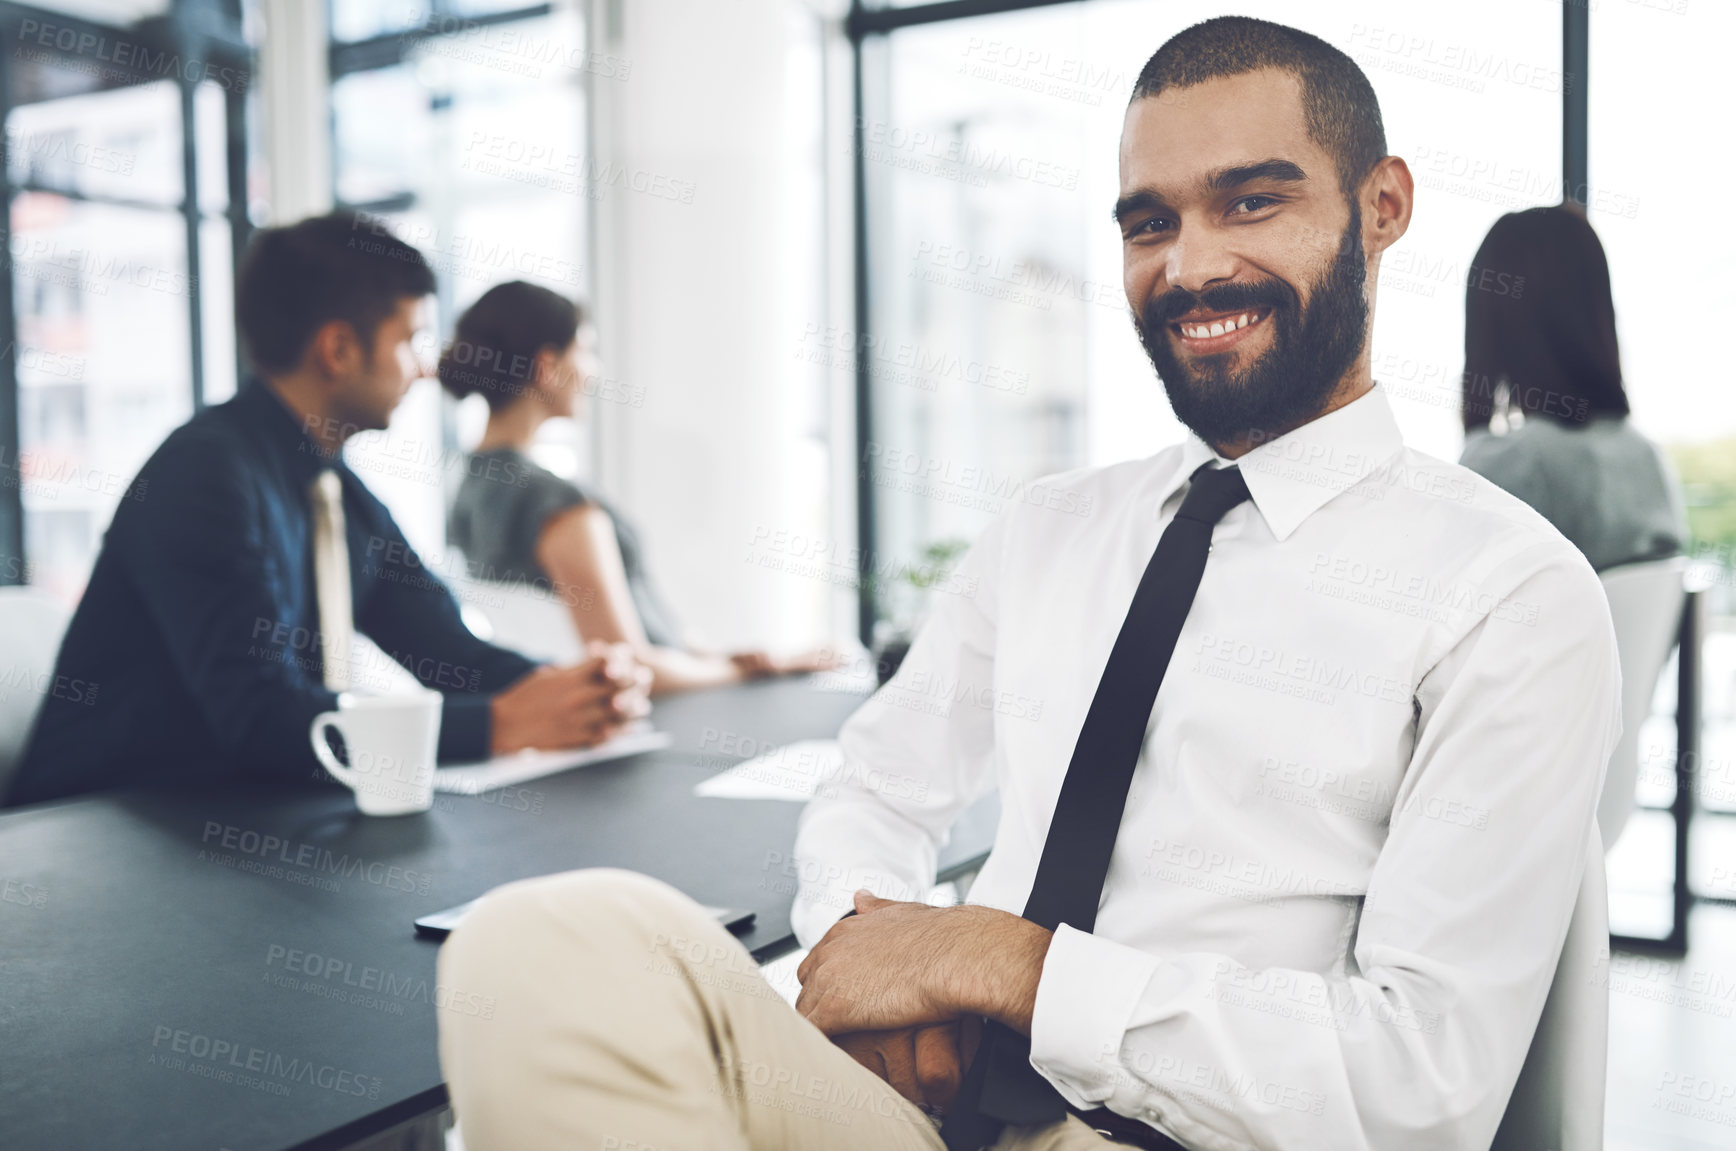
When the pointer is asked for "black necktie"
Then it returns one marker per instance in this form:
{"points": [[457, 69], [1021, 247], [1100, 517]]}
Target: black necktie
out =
{"points": [[1001, 1086]]}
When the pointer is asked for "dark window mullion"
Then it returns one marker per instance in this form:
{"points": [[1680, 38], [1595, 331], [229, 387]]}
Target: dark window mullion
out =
{"points": [[350, 57], [12, 557], [87, 198], [1575, 110], [190, 220], [240, 223], [867, 513], [863, 22]]}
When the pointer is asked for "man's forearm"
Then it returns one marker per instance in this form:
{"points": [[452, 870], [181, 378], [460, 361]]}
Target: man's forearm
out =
{"points": [[999, 961], [902, 964]]}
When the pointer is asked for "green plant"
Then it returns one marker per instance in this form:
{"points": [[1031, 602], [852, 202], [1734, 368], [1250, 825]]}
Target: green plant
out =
{"points": [[1708, 473], [900, 592], [937, 561]]}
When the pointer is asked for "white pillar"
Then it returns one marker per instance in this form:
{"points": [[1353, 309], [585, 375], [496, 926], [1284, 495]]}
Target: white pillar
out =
{"points": [[691, 308], [295, 98]]}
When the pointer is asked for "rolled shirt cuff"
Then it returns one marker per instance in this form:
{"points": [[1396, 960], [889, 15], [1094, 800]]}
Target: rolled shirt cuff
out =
{"points": [[1085, 998]]}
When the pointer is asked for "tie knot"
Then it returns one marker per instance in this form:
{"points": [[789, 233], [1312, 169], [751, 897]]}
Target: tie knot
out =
{"points": [[1212, 493], [328, 488]]}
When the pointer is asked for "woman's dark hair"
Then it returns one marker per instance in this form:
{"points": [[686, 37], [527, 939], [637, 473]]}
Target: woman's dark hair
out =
{"points": [[494, 349], [1539, 319]]}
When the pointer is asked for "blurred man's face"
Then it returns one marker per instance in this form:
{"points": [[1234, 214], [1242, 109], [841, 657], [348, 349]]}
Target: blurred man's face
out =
{"points": [[1242, 260], [372, 385]]}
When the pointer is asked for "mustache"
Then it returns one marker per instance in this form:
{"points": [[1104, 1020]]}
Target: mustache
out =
{"points": [[1243, 297]]}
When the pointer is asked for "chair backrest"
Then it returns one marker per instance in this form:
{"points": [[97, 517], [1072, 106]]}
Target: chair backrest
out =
{"points": [[1645, 601], [31, 627], [1557, 1103], [531, 622]]}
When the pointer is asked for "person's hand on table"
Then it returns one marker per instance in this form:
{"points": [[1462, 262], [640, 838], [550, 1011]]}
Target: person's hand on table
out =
{"points": [[762, 664], [924, 1064], [576, 706], [899, 984]]}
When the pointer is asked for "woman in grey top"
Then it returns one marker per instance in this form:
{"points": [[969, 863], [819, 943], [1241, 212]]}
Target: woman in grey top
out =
{"points": [[530, 353], [1544, 409]]}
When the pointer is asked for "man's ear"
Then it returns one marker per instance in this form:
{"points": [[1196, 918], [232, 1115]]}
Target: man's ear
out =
{"points": [[335, 351], [1388, 195]]}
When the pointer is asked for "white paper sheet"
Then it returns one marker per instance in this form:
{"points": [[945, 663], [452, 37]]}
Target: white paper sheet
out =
{"points": [[789, 772], [506, 770]]}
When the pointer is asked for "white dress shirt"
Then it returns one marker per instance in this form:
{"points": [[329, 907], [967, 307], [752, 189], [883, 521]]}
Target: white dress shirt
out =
{"points": [[1356, 832]]}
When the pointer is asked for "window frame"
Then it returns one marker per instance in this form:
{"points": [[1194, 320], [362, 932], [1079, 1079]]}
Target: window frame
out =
{"points": [[195, 31], [866, 22]]}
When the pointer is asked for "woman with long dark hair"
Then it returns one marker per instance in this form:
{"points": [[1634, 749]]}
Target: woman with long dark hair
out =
{"points": [[531, 354], [1542, 399]]}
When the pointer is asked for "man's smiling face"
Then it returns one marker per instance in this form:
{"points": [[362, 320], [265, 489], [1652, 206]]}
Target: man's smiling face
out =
{"points": [[1242, 259]]}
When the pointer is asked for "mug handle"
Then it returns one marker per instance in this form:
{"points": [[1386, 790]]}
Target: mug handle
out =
{"points": [[323, 752]]}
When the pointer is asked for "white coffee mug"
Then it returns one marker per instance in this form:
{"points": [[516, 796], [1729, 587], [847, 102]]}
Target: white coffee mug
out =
{"points": [[391, 742]]}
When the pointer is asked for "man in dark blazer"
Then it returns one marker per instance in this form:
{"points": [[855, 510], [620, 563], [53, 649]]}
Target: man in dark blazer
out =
{"points": [[200, 628]]}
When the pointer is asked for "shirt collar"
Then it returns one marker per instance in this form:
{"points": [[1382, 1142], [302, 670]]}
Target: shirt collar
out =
{"points": [[1295, 475], [284, 432]]}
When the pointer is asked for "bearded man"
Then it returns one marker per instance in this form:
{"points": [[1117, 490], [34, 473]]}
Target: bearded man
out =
{"points": [[1289, 851]]}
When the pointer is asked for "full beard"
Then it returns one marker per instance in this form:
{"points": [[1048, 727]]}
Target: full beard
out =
{"points": [[1290, 384]]}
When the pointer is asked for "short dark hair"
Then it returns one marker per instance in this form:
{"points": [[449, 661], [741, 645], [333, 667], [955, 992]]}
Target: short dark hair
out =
{"points": [[494, 348], [1338, 102], [1539, 318], [297, 278]]}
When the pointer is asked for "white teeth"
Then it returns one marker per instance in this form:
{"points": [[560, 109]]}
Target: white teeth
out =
{"points": [[1216, 327]]}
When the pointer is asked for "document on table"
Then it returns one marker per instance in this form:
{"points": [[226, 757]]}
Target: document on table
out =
{"points": [[521, 767], [789, 772]]}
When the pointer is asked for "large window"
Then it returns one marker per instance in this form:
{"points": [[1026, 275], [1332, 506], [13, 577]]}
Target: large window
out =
{"points": [[1656, 75], [461, 126], [1000, 346], [125, 152]]}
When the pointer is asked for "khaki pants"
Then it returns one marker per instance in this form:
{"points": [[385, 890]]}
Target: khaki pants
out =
{"points": [[603, 1010]]}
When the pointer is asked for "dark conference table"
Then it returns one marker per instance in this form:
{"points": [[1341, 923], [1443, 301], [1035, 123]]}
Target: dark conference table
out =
{"points": [[238, 970]]}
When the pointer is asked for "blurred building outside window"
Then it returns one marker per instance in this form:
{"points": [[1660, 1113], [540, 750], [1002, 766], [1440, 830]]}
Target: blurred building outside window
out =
{"points": [[108, 119]]}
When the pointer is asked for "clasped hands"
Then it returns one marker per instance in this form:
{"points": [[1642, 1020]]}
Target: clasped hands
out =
{"points": [[902, 987], [575, 706]]}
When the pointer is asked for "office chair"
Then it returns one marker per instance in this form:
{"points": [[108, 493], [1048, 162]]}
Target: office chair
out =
{"points": [[531, 622], [1557, 1104], [1645, 601], [31, 627]]}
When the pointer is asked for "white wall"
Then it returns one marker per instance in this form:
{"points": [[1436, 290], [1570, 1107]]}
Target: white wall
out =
{"points": [[691, 309]]}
